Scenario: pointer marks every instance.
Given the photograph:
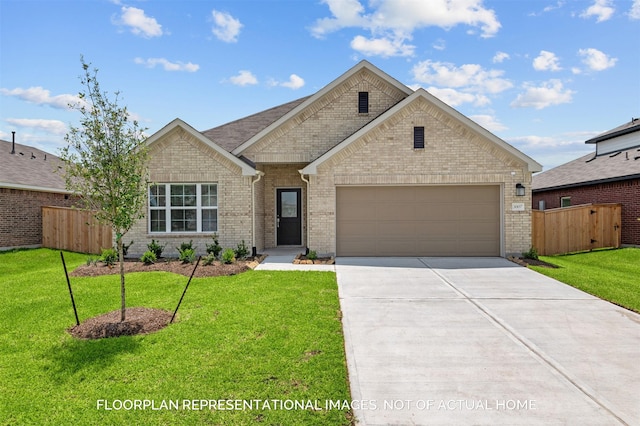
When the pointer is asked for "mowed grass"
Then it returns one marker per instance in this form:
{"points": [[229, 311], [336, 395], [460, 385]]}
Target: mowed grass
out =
{"points": [[613, 275], [259, 335]]}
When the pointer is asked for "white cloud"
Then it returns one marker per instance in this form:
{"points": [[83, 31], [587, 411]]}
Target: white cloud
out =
{"points": [[392, 22], [489, 122], [244, 78], [601, 9], [549, 93], [439, 44], [295, 82], [453, 97], [546, 61], [596, 60], [41, 96], [139, 23], [500, 57], [471, 77], [56, 127], [225, 27], [381, 47], [167, 65], [634, 12]]}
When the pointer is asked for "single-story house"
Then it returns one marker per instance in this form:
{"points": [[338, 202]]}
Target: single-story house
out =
{"points": [[29, 179], [366, 166], [611, 174]]}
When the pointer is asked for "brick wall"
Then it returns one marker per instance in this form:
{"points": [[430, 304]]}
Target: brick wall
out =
{"points": [[21, 215], [180, 158], [626, 193], [328, 121], [452, 155]]}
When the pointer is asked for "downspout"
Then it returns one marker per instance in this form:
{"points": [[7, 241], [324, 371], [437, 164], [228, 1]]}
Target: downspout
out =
{"points": [[307, 216], [253, 212]]}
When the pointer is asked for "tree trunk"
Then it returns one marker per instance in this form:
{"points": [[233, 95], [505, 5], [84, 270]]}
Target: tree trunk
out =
{"points": [[122, 292]]}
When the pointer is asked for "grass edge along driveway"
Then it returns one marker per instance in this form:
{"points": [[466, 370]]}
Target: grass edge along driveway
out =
{"points": [[611, 275], [260, 336]]}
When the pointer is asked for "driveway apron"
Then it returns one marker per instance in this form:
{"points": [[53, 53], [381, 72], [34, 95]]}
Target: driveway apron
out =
{"points": [[482, 341]]}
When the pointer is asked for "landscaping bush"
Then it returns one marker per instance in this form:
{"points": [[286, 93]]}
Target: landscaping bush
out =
{"points": [[228, 256], [125, 248], [312, 255], [209, 259], [215, 248], [109, 256], [148, 257], [156, 248], [187, 254], [241, 251], [531, 254]]}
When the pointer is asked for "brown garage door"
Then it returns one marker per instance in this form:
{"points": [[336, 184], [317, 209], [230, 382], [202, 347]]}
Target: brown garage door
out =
{"points": [[418, 221]]}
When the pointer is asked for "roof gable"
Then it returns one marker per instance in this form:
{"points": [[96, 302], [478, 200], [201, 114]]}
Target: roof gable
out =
{"points": [[247, 170], [315, 98], [440, 106]]}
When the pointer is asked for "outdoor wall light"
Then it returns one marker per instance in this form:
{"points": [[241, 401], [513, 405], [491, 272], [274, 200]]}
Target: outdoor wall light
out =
{"points": [[519, 190]]}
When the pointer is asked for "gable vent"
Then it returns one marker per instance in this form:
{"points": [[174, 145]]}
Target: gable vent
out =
{"points": [[363, 102]]}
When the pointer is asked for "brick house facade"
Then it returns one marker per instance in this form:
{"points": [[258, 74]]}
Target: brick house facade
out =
{"points": [[279, 178], [609, 175], [29, 180]]}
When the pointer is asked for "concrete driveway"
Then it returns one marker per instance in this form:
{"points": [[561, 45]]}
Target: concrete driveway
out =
{"points": [[482, 341]]}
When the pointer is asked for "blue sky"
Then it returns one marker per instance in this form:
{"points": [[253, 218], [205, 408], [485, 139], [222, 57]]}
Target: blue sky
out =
{"points": [[543, 75]]}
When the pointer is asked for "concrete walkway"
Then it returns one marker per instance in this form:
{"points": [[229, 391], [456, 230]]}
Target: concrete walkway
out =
{"points": [[281, 259], [461, 341]]}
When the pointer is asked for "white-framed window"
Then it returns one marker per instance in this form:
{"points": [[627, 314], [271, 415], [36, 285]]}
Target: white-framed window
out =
{"points": [[565, 201], [183, 207]]}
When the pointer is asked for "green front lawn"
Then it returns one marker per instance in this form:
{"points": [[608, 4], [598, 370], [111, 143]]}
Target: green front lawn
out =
{"points": [[260, 337], [613, 275]]}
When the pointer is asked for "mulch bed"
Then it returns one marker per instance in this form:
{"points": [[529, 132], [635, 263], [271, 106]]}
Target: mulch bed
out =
{"points": [[522, 261], [216, 269], [137, 321]]}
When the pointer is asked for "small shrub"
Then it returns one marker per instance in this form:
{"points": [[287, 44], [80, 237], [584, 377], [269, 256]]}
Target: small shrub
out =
{"points": [[185, 246], [90, 261], [188, 255], [241, 251], [228, 256], [156, 248], [214, 248], [186, 252], [109, 256], [531, 254], [209, 259], [312, 255], [148, 257]]}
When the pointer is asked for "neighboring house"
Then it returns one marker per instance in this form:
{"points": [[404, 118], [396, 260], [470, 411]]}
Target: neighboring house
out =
{"points": [[609, 175], [29, 180], [365, 166]]}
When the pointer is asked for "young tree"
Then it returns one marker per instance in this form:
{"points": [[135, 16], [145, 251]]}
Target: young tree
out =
{"points": [[106, 162]]}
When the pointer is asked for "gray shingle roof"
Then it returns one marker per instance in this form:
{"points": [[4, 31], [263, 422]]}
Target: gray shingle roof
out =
{"points": [[28, 168], [590, 169], [231, 135]]}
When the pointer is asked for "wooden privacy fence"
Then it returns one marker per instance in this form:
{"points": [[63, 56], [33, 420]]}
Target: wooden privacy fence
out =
{"points": [[74, 230], [576, 228]]}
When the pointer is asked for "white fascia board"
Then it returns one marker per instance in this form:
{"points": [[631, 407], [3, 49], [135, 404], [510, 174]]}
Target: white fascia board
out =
{"points": [[33, 188]]}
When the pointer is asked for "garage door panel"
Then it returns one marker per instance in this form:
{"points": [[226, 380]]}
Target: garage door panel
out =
{"points": [[418, 220]]}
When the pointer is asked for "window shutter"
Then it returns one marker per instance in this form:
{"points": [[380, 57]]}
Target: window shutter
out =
{"points": [[418, 137], [363, 102]]}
